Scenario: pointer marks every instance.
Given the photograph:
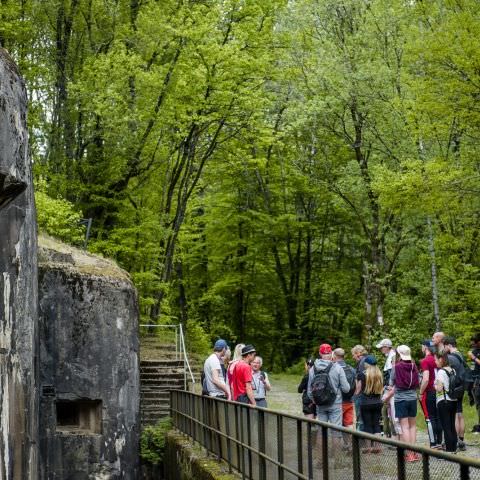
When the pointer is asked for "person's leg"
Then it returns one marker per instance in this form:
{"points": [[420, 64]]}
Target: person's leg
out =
{"points": [[433, 415], [377, 428], [446, 412], [412, 420], [460, 424]]}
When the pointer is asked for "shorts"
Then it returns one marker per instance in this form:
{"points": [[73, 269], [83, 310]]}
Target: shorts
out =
{"points": [[460, 404], [347, 410], [406, 409]]}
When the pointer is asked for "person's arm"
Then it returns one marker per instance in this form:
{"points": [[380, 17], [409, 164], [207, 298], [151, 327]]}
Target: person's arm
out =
{"points": [[358, 387], [425, 380], [309, 386], [249, 392], [438, 384], [389, 394], [218, 383], [344, 385], [266, 382], [303, 384]]}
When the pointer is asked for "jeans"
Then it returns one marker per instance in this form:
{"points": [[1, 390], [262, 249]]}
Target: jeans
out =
{"points": [[447, 412], [331, 413], [433, 415]]}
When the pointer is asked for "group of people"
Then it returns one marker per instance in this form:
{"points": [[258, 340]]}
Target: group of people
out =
{"points": [[333, 391], [240, 379]]}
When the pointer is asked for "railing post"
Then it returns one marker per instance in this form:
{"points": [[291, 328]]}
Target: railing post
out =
{"points": [[401, 463], [357, 470], [426, 466], [309, 451], [262, 465], [219, 428], [249, 441], [464, 472], [299, 446], [227, 431], [325, 452], [280, 446]]}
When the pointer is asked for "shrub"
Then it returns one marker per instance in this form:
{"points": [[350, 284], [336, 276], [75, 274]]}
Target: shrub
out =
{"points": [[152, 442]]}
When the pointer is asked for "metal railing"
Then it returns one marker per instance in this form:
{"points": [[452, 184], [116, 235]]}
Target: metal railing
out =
{"points": [[263, 444], [180, 348]]}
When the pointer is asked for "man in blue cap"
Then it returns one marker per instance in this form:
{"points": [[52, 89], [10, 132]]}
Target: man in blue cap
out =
{"points": [[214, 383]]}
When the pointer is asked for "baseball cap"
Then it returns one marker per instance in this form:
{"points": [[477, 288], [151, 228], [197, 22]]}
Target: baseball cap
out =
{"points": [[428, 343], [370, 359], [325, 349], [220, 344], [386, 342], [404, 352], [248, 349]]}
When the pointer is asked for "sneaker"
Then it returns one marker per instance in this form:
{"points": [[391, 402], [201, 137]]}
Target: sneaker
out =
{"points": [[461, 446], [438, 446], [411, 457]]}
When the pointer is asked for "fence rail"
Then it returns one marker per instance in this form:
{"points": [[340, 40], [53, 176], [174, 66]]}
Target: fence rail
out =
{"points": [[263, 444]]}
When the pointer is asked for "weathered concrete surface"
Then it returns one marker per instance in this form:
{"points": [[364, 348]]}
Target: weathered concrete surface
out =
{"points": [[184, 461], [18, 285], [89, 351]]}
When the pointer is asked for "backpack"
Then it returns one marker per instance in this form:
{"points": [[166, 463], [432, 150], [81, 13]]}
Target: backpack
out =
{"points": [[350, 374], [203, 381], [322, 390], [456, 385], [468, 375]]}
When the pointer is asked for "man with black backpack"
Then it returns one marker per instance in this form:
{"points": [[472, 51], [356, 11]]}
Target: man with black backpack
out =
{"points": [[347, 402], [326, 382], [458, 363]]}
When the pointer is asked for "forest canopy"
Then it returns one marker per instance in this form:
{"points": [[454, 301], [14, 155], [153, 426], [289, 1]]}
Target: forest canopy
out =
{"points": [[277, 172]]}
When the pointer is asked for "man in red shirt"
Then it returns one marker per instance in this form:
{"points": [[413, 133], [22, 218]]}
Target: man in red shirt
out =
{"points": [[427, 391], [242, 377]]}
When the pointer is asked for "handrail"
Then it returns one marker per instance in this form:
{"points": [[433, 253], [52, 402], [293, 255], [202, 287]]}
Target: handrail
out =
{"points": [[185, 358], [180, 349], [237, 433]]}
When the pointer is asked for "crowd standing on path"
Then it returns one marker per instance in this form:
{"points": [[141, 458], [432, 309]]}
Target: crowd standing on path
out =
{"points": [[386, 402], [380, 402]]}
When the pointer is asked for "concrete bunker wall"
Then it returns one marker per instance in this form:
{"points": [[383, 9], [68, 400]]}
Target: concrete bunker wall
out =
{"points": [[18, 285], [89, 374]]}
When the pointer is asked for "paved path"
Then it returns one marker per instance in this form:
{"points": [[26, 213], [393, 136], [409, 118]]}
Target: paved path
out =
{"points": [[284, 398]]}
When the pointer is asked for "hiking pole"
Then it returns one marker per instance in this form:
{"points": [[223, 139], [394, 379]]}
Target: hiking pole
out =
{"points": [[423, 405]]}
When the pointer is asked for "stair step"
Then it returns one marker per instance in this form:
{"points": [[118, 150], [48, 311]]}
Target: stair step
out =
{"points": [[164, 375], [161, 363]]}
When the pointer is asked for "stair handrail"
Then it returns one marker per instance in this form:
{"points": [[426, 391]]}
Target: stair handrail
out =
{"points": [[180, 349], [186, 363], [177, 336]]}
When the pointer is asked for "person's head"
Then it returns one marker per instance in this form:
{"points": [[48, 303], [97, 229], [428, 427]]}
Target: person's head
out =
{"points": [[338, 354], [248, 353], [373, 376], [437, 339], [237, 353], [257, 363], [385, 346], [428, 348], [227, 355], [358, 351], [404, 353], [325, 351], [475, 341], [220, 347], [441, 359], [450, 344]]}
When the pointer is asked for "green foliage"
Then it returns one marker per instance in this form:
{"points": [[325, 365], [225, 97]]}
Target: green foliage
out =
{"points": [[57, 217], [152, 441], [280, 173]]}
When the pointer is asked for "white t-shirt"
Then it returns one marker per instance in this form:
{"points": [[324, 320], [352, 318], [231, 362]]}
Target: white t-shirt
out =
{"points": [[213, 363], [390, 360], [442, 377], [257, 384]]}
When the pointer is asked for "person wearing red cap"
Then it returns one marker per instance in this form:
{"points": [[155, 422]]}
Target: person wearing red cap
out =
{"points": [[338, 383]]}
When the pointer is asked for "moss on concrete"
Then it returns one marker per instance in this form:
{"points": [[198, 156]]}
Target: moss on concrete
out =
{"points": [[55, 254], [185, 460]]}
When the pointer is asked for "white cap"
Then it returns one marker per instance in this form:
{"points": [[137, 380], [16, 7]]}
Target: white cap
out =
{"points": [[386, 342], [404, 352]]}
